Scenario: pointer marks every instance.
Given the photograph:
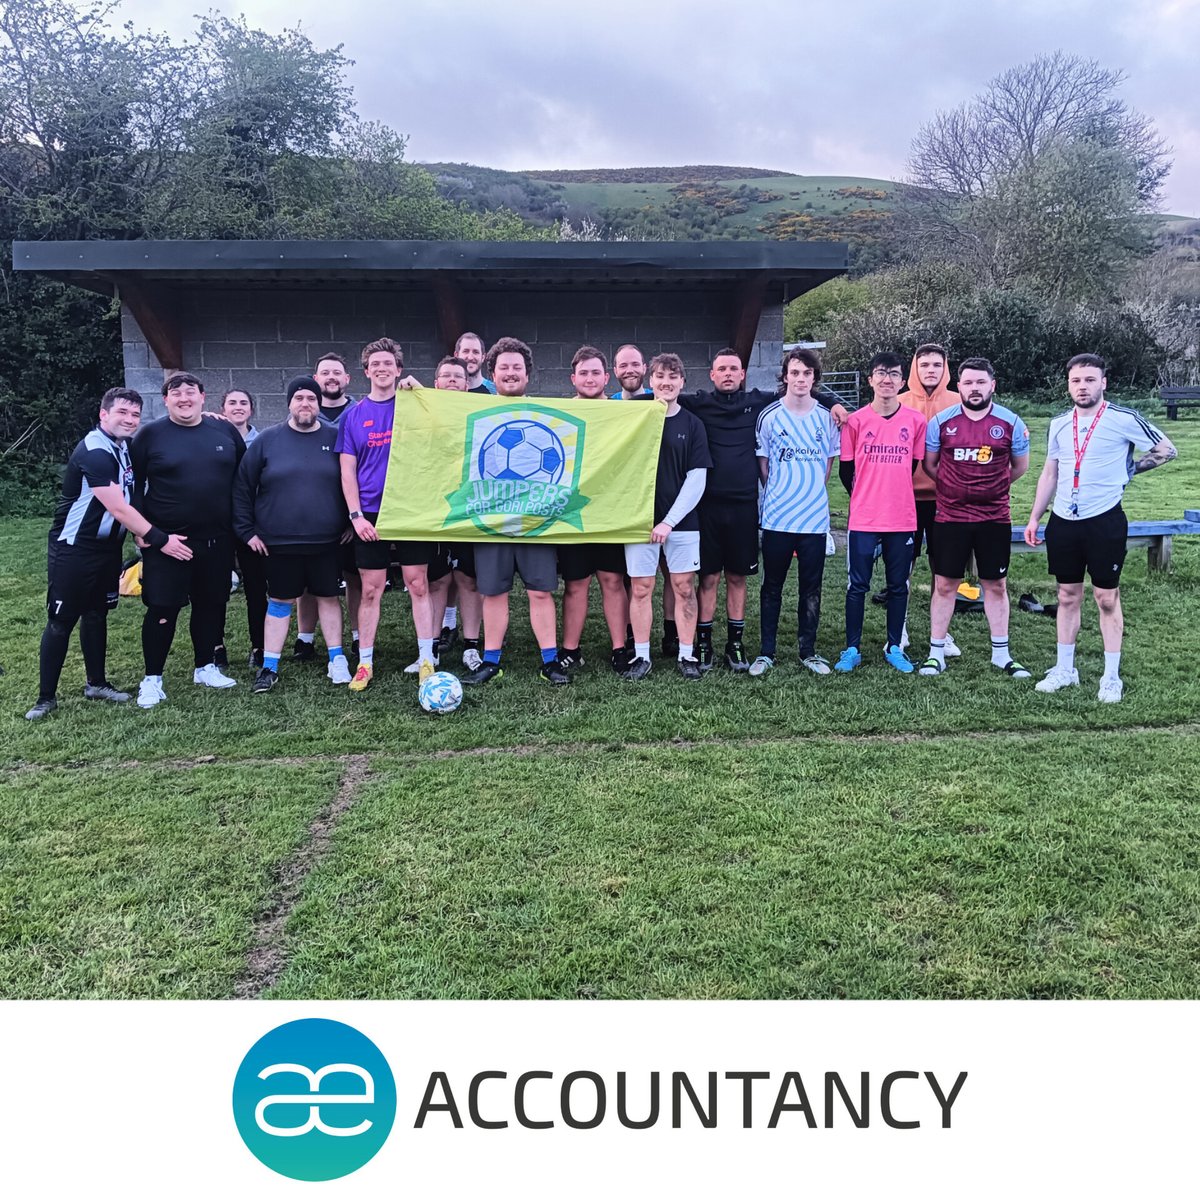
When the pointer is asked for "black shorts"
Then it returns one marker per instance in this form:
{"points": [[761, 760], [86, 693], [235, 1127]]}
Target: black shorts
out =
{"points": [[580, 561], [462, 558], [439, 562], [1094, 544], [294, 570], [81, 580], [204, 579], [989, 541], [729, 537], [378, 556], [925, 532], [347, 560]]}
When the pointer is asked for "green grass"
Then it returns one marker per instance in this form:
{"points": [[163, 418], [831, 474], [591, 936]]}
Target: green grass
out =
{"points": [[142, 883], [868, 835]]}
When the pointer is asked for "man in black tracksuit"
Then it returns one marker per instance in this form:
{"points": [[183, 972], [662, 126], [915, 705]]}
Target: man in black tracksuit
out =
{"points": [[183, 469], [729, 508]]}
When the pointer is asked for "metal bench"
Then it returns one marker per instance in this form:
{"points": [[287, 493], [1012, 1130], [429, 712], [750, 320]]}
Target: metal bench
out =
{"points": [[1177, 396], [1155, 536]]}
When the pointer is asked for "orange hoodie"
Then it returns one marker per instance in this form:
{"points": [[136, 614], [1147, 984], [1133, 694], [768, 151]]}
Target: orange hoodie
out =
{"points": [[928, 406]]}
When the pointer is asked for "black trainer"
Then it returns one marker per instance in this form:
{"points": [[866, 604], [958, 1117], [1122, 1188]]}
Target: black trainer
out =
{"points": [[621, 657], [306, 651], [571, 660], [879, 597], [704, 655], [221, 658], [485, 671], [639, 668], [735, 657], [690, 668], [105, 691], [552, 672], [254, 659], [670, 647], [447, 639], [354, 649], [265, 680], [43, 708]]}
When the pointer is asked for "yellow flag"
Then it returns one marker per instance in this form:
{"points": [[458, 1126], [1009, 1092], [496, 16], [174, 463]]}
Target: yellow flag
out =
{"points": [[469, 467]]}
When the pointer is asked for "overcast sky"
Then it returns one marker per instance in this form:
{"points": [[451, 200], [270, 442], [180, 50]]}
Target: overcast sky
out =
{"points": [[824, 87]]}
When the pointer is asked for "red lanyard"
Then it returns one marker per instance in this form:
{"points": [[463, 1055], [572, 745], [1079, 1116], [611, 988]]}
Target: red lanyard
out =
{"points": [[1080, 451]]}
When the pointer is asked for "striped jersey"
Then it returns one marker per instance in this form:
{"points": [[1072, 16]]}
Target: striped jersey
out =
{"points": [[974, 471], [797, 449], [80, 519], [1107, 463]]}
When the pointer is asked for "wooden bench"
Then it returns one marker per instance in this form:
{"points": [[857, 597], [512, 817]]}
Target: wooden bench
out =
{"points": [[1155, 536], [1176, 397]]}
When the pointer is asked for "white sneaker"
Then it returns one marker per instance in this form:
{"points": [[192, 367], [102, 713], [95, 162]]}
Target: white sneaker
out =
{"points": [[903, 636], [414, 668], [150, 693], [338, 670], [816, 664], [472, 660], [830, 546], [761, 665], [1058, 678], [1111, 690], [212, 676], [952, 649]]}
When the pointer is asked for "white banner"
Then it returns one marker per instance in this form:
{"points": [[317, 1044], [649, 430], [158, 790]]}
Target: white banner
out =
{"points": [[531, 1100]]}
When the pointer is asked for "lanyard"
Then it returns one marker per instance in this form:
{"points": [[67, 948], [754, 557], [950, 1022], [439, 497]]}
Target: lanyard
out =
{"points": [[1080, 451]]}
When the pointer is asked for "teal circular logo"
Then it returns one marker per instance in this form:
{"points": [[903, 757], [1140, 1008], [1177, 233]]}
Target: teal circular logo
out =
{"points": [[314, 1099]]}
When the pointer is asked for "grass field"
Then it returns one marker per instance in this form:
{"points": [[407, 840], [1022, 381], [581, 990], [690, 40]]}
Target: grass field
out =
{"points": [[866, 836]]}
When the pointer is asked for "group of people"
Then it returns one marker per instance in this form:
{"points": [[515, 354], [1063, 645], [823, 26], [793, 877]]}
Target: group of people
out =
{"points": [[742, 473]]}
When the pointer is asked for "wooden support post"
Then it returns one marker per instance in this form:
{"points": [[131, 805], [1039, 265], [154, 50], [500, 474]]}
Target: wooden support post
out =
{"points": [[155, 315], [1158, 553], [748, 300], [451, 309]]}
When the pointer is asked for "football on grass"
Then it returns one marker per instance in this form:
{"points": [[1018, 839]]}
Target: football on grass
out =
{"points": [[440, 693]]}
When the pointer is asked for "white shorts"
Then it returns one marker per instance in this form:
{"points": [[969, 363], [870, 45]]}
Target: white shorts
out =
{"points": [[682, 549]]}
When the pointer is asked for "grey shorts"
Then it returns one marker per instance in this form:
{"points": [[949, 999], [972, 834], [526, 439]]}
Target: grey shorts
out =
{"points": [[497, 562], [682, 549]]}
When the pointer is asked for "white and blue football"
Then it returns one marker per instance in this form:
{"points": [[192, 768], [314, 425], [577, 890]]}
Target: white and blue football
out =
{"points": [[440, 693]]}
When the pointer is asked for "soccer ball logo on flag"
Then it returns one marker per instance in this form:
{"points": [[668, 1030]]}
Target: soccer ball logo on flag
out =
{"points": [[440, 693], [522, 449]]}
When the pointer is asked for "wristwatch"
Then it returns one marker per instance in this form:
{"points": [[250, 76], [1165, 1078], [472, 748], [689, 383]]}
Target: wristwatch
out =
{"points": [[355, 515]]}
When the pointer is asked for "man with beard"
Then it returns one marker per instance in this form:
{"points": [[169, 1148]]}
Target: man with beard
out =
{"points": [[630, 369], [510, 362], [578, 563], [729, 510], [336, 402], [183, 468], [84, 559], [469, 348], [975, 451], [1089, 462]]}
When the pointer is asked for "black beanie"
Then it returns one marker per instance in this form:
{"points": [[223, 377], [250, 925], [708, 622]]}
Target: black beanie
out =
{"points": [[303, 383]]}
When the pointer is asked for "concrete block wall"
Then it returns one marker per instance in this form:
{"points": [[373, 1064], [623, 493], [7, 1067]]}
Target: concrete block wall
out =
{"points": [[259, 338]]}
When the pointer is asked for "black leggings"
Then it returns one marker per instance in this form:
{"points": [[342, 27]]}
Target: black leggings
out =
{"points": [[56, 640], [777, 551], [253, 570]]}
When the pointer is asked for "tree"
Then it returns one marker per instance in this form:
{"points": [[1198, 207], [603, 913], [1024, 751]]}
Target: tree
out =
{"points": [[1041, 180]]}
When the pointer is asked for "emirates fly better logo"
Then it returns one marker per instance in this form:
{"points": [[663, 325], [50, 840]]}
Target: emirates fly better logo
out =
{"points": [[314, 1099], [521, 467]]}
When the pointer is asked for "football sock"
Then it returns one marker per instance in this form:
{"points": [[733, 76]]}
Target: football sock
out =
{"points": [[354, 635], [1066, 656], [937, 650], [470, 643], [571, 650], [366, 656], [334, 652], [492, 656], [704, 633], [686, 650], [734, 630], [670, 630], [549, 655], [450, 620], [641, 650], [306, 637], [1000, 654], [1112, 664], [271, 662], [425, 648]]}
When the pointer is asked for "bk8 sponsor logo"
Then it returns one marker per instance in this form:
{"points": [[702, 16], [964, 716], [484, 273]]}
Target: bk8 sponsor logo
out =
{"points": [[314, 1099]]}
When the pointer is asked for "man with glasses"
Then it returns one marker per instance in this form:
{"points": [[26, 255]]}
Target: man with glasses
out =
{"points": [[881, 446]]}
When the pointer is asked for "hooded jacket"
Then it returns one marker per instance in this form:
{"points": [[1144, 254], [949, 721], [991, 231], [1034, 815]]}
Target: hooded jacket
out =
{"points": [[928, 406]]}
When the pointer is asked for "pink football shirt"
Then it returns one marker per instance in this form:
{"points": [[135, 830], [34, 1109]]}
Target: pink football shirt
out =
{"points": [[883, 450]]}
